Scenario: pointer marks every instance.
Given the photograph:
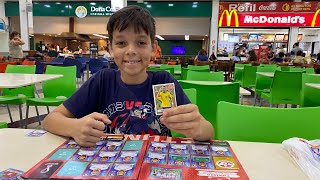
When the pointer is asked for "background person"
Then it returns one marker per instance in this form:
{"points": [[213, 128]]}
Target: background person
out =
{"points": [[15, 46]]}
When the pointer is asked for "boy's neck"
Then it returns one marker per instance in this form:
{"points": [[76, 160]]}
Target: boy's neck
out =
{"points": [[132, 80]]}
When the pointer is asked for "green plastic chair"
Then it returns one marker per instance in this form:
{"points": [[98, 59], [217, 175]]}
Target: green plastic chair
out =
{"points": [[205, 76], [310, 95], [249, 77], [269, 65], [267, 68], [285, 88], [184, 72], [193, 67], [259, 124], [263, 84], [177, 68], [55, 91], [285, 68], [169, 70], [192, 95], [310, 70], [297, 69], [210, 93], [3, 125], [13, 96]]}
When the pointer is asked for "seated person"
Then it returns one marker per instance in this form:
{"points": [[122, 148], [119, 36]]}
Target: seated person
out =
{"points": [[52, 52], [279, 58], [252, 56], [298, 59], [236, 56], [123, 101], [202, 56]]}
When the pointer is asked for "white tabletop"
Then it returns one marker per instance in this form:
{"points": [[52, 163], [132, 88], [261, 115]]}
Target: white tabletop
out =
{"points": [[314, 85], [10, 80], [244, 92], [260, 160], [269, 74], [154, 65]]}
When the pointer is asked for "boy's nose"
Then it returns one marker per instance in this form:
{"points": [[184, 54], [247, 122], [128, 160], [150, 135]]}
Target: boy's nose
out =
{"points": [[131, 49]]}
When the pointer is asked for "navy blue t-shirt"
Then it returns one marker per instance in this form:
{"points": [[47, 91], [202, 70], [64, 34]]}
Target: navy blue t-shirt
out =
{"points": [[129, 107]]}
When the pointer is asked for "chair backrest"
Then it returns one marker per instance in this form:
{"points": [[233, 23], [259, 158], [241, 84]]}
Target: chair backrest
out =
{"points": [[259, 124], [28, 91], [286, 87], [28, 63], [297, 69], [193, 67], [184, 72], [74, 62], [262, 83], [310, 70], [95, 65], [249, 76], [64, 86], [210, 93], [310, 95], [205, 76], [267, 68], [269, 65], [175, 67], [3, 67], [191, 94]]}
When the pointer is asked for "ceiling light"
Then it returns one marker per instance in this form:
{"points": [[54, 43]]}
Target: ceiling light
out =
{"points": [[195, 3], [194, 6], [159, 37], [149, 6], [58, 3], [93, 3], [186, 37], [170, 5], [102, 36], [47, 6]]}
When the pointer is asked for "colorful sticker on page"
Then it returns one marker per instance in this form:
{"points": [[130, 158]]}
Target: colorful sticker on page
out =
{"points": [[128, 156], [84, 155], [124, 170], [36, 133], [112, 146], [179, 160], [179, 148], [156, 158], [158, 147], [199, 149], [10, 174], [164, 97], [165, 173], [97, 169], [106, 156], [201, 162]]}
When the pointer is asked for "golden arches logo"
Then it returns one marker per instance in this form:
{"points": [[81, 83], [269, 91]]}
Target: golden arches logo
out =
{"points": [[315, 18], [229, 14]]}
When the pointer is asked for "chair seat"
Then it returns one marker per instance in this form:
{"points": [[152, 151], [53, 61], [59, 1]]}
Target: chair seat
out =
{"points": [[12, 100], [260, 91], [266, 95], [45, 101]]}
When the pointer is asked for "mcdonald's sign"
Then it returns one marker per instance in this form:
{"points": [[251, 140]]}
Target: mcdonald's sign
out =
{"points": [[314, 20], [229, 14]]}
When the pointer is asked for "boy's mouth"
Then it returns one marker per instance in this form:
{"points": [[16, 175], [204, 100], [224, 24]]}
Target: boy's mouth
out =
{"points": [[132, 62]]}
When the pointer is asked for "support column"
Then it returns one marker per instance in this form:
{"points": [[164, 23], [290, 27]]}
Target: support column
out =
{"points": [[26, 22], [293, 37], [214, 27], [118, 4], [4, 36]]}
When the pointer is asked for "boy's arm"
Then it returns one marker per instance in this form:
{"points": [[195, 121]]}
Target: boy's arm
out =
{"points": [[86, 131], [186, 119]]}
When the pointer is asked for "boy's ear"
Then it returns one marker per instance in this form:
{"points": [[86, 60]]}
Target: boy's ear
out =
{"points": [[110, 48], [154, 48]]}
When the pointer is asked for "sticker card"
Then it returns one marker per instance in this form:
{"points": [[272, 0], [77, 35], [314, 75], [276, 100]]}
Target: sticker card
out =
{"points": [[132, 145], [10, 174], [84, 155], [71, 144], [220, 151], [199, 149], [128, 156], [106, 156], [122, 170], [179, 160], [165, 173], [98, 146], [201, 162], [158, 147], [156, 158], [62, 154], [36, 133], [72, 168], [164, 97], [97, 169], [179, 148], [112, 146], [225, 163]]}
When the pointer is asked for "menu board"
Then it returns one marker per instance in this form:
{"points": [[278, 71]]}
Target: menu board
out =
{"points": [[140, 157], [279, 37], [263, 53], [93, 48]]}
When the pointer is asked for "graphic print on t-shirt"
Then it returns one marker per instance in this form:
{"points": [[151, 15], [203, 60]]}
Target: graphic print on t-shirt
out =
{"points": [[132, 117]]}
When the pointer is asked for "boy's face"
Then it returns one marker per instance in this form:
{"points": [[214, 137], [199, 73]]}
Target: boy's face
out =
{"points": [[132, 53]]}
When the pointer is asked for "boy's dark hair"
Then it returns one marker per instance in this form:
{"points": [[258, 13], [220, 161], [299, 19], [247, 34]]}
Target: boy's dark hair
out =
{"points": [[296, 44], [281, 54], [13, 34], [299, 53], [135, 16]]}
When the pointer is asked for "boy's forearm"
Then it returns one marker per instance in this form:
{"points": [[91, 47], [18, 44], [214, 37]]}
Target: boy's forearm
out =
{"points": [[206, 131], [59, 124]]}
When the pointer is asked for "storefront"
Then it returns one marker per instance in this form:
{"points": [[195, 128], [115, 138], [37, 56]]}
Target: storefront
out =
{"points": [[248, 25]]}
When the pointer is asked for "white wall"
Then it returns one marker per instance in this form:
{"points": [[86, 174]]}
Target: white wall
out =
{"points": [[4, 37]]}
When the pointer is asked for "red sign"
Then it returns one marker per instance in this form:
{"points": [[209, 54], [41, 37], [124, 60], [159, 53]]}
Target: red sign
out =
{"points": [[266, 7], [263, 20], [270, 14]]}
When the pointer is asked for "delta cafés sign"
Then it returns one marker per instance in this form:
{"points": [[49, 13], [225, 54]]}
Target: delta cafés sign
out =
{"points": [[82, 11], [266, 14]]}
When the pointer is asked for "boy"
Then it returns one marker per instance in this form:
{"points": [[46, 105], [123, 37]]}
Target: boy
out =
{"points": [[123, 100]]}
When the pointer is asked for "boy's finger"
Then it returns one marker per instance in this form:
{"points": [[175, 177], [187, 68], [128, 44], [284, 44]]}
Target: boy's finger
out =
{"points": [[100, 117], [179, 110], [98, 125]]}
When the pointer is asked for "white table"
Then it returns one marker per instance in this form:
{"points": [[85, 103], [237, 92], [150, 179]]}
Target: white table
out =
{"points": [[269, 74], [314, 85], [154, 65], [261, 161], [244, 92], [11, 80]]}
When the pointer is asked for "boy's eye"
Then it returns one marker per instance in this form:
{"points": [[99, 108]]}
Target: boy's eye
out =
{"points": [[120, 43], [142, 43]]}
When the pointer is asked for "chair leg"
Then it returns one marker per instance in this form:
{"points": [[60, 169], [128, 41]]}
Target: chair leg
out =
{"points": [[255, 99], [38, 116], [241, 99], [48, 109], [286, 105], [20, 113], [260, 102], [9, 113], [277, 105], [270, 105], [27, 117]]}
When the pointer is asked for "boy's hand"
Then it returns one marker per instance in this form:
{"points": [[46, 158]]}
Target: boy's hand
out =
{"points": [[89, 129], [184, 119]]}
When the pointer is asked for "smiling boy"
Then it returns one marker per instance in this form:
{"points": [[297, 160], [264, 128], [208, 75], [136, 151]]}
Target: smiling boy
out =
{"points": [[123, 100]]}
